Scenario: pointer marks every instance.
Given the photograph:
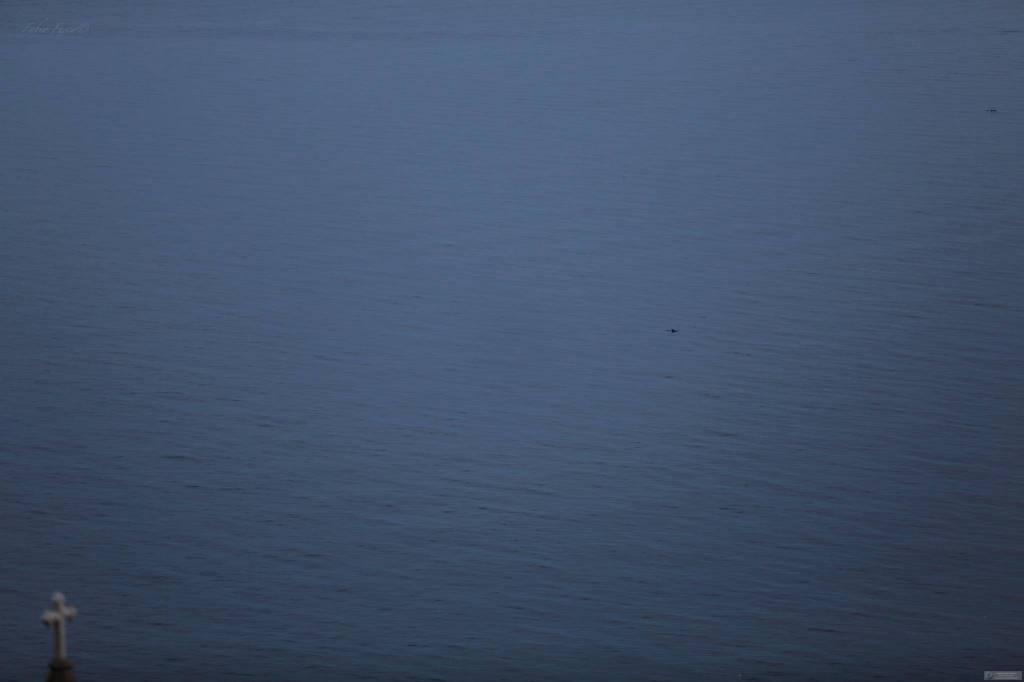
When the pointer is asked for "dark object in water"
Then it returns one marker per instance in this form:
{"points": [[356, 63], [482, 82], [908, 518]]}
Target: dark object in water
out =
{"points": [[672, 330], [60, 671]]}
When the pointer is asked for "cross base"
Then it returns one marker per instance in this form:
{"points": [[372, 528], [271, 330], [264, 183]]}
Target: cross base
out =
{"points": [[60, 671]]}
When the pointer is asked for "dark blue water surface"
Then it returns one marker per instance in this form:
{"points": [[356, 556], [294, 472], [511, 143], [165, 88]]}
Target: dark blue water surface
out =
{"points": [[333, 338]]}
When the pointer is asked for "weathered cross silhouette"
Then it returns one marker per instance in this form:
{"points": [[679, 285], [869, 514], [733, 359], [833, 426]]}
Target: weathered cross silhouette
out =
{"points": [[58, 618]]}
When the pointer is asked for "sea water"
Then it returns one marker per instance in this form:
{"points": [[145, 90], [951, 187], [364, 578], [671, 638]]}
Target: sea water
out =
{"points": [[335, 339]]}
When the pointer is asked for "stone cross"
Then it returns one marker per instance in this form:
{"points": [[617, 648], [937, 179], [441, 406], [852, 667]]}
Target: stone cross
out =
{"points": [[58, 619]]}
